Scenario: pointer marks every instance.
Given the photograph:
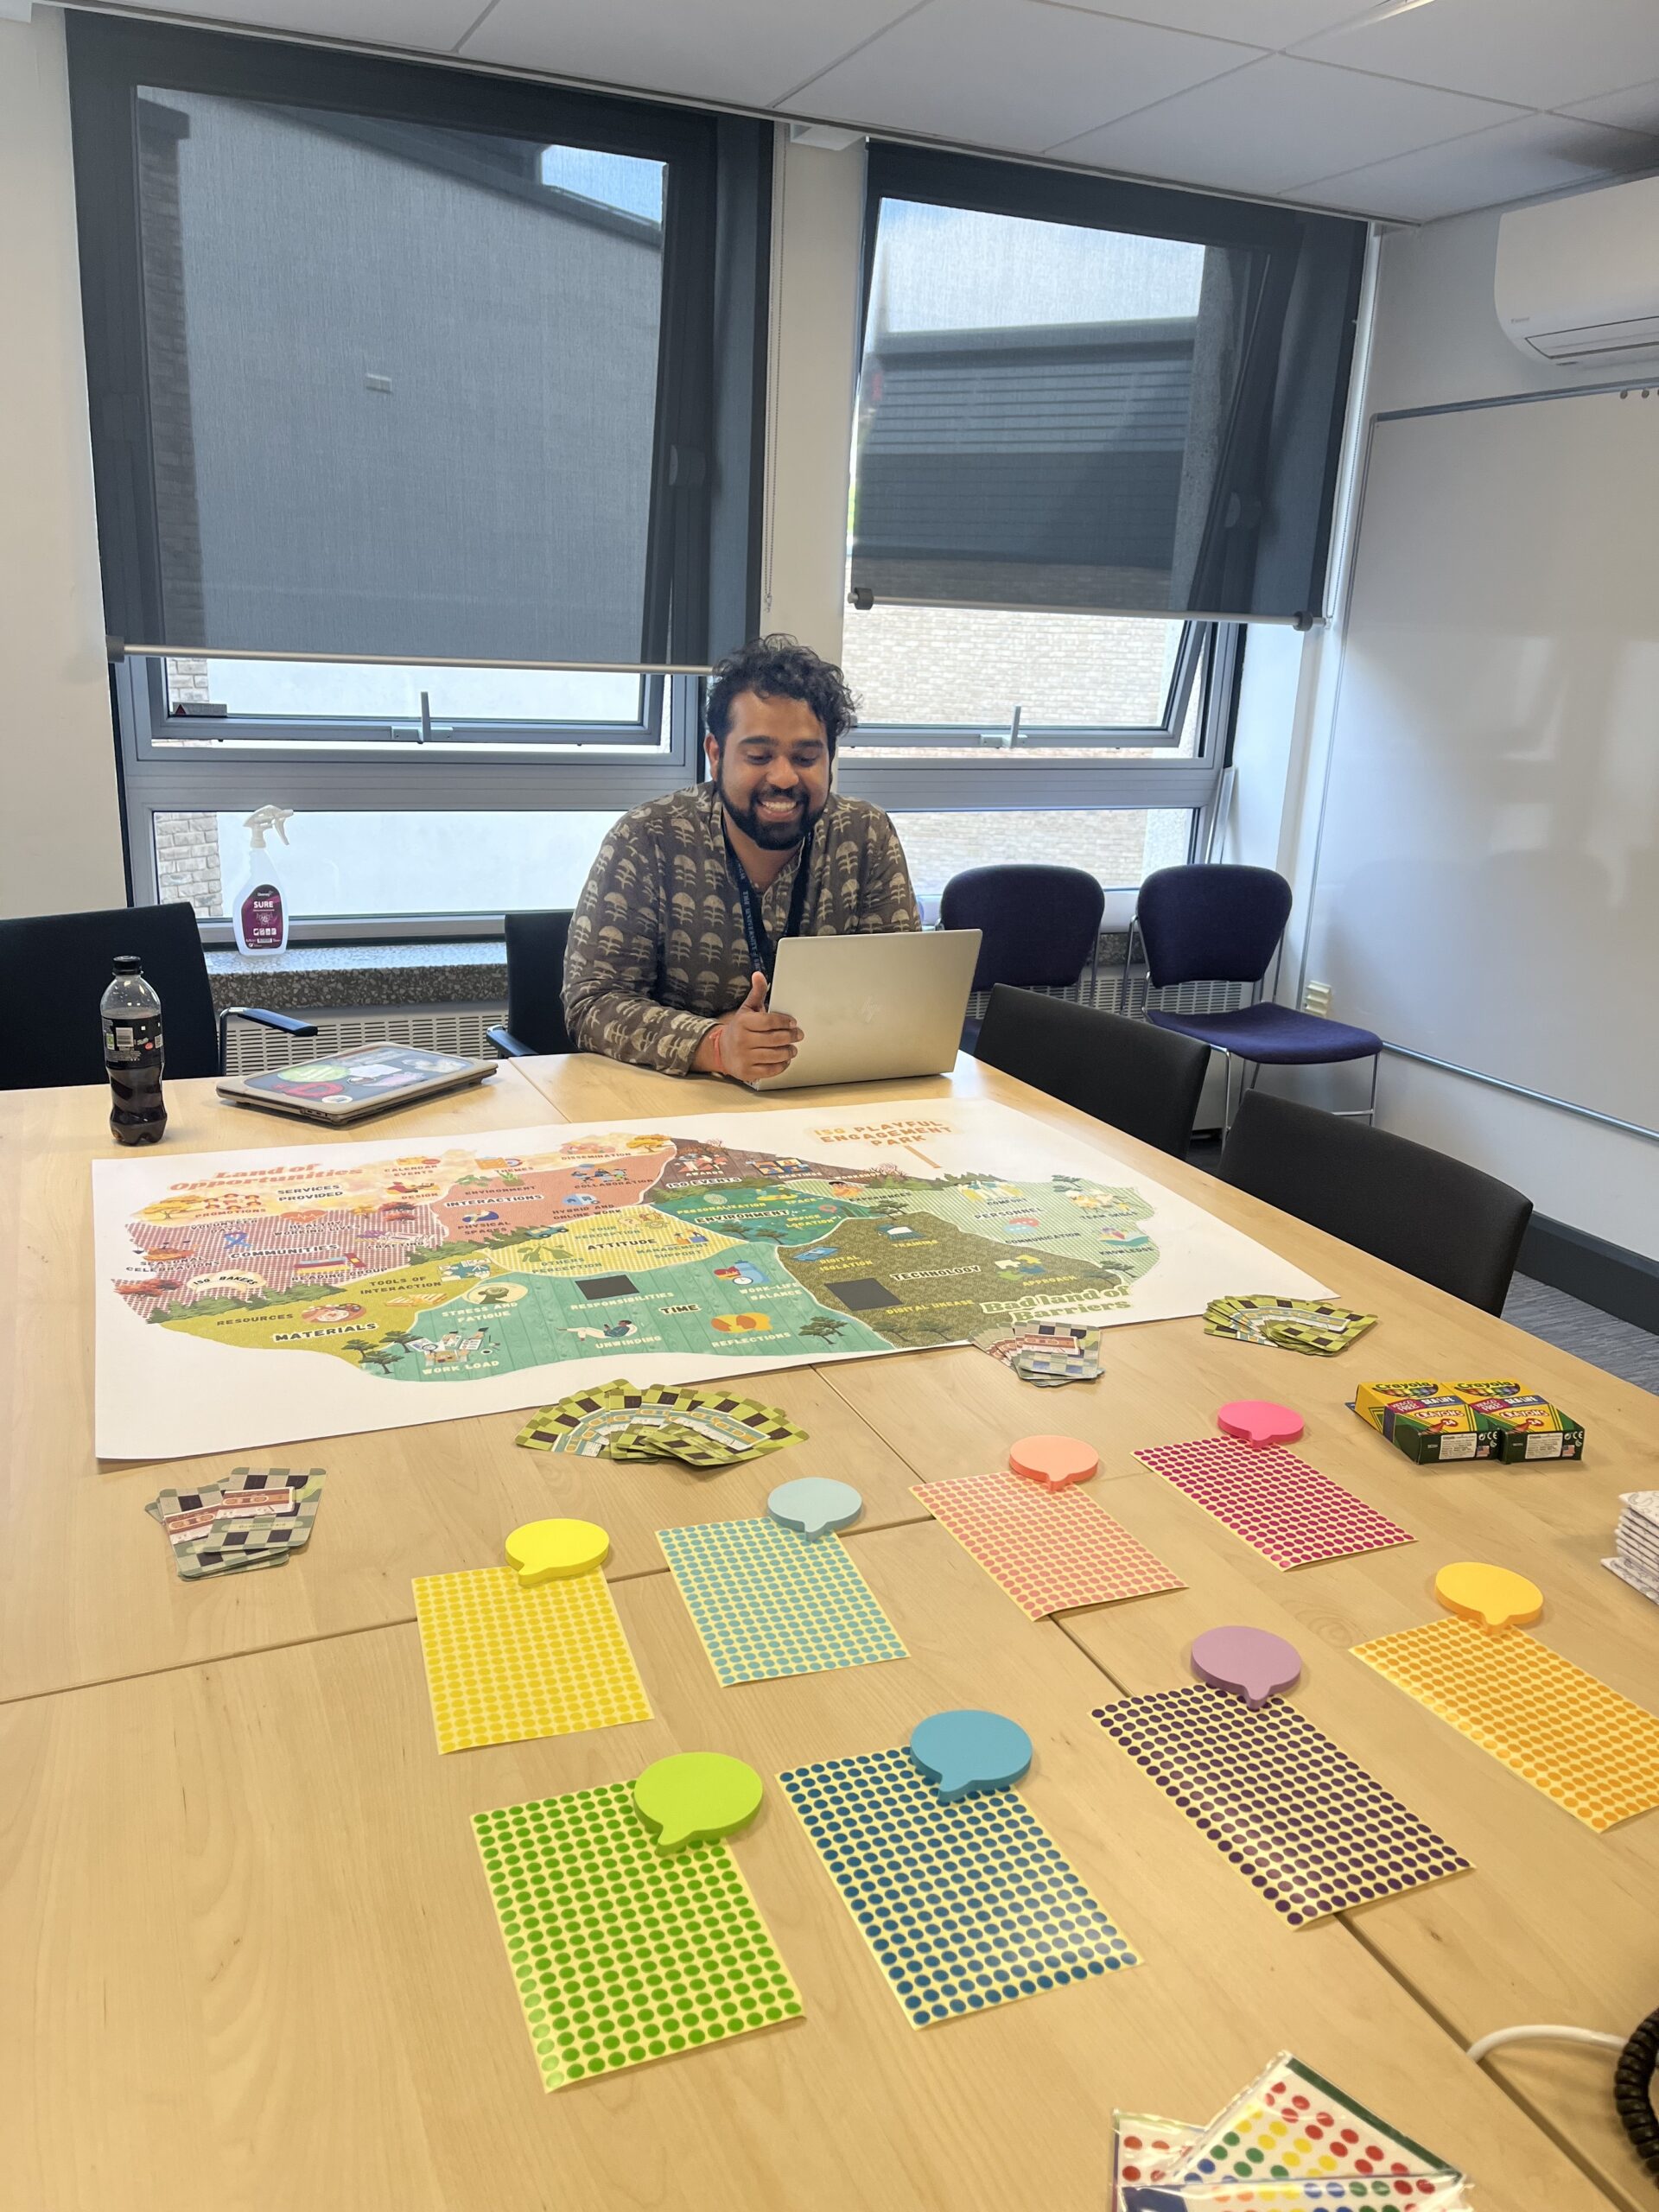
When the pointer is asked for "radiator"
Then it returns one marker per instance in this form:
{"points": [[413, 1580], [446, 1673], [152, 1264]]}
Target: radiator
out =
{"points": [[250, 1048]]}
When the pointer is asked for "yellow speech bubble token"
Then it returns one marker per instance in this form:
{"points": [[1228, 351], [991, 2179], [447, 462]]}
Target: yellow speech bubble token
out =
{"points": [[544, 1550], [1495, 1595]]}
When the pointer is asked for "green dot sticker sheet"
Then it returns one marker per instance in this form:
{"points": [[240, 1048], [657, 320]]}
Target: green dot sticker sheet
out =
{"points": [[623, 1953], [967, 1907], [767, 1601]]}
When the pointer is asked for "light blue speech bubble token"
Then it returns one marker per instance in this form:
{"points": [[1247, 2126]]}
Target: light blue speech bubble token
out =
{"points": [[966, 1752], [813, 1506]]}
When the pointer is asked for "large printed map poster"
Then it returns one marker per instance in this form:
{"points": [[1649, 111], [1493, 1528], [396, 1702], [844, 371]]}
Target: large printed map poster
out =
{"points": [[256, 1298]]}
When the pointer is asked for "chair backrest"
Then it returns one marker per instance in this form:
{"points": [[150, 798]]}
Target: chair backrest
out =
{"points": [[55, 968], [1140, 1079], [1433, 1217], [1213, 924], [535, 979], [1040, 925]]}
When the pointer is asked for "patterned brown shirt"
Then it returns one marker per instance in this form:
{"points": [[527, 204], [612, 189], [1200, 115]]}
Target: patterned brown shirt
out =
{"points": [[657, 950]]}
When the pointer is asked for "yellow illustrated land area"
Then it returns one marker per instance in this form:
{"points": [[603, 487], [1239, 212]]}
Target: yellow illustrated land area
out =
{"points": [[392, 1301], [633, 1238]]}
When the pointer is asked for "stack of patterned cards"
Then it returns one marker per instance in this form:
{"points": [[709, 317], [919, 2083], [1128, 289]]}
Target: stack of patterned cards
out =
{"points": [[1288, 2140], [1637, 1542], [1293, 1323], [701, 1426], [258, 1518], [1047, 1353]]}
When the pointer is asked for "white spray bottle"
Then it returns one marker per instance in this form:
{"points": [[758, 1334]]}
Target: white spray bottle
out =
{"points": [[259, 911]]}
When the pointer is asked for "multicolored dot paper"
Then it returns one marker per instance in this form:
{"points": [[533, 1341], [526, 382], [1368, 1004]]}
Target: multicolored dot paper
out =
{"points": [[1311, 1831], [966, 1906], [1050, 1550], [623, 1953], [1290, 2126], [767, 1600], [505, 1663], [1281, 1507], [1592, 1750]]}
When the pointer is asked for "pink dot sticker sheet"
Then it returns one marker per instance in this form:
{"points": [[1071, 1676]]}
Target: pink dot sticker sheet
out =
{"points": [[1050, 1550], [1311, 1831], [1281, 1507]]}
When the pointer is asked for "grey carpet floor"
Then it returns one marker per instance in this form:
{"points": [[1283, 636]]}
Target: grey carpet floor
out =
{"points": [[1570, 1325]]}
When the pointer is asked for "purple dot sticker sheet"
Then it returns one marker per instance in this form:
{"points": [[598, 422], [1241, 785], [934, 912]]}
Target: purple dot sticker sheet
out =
{"points": [[1288, 1511], [1312, 1831]]}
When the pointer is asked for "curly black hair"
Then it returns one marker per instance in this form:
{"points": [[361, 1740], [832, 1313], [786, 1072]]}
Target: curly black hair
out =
{"points": [[780, 667]]}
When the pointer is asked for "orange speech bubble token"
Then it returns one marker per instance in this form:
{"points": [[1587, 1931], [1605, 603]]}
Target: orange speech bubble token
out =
{"points": [[1054, 1461], [1495, 1595]]}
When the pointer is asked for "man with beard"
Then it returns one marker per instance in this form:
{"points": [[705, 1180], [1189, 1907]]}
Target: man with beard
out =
{"points": [[672, 943]]}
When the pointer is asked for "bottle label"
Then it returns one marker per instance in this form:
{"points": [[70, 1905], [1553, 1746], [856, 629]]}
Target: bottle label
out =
{"points": [[262, 918]]}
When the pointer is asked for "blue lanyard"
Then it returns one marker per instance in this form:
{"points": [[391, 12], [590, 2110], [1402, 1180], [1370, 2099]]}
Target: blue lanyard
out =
{"points": [[763, 954]]}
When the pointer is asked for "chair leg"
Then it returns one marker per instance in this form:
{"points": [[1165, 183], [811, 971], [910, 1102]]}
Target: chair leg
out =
{"points": [[1226, 1091], [1370, 1107]]}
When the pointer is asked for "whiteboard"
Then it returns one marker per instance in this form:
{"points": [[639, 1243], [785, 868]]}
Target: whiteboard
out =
{"points": [[1488, 881]]}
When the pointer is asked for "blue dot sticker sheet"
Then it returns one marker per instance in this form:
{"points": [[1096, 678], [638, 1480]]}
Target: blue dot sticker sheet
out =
{"points": [[768, 1601], [966, 1907]]}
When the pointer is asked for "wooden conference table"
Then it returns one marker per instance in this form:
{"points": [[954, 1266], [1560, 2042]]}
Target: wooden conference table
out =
{"points": [[250, 1963]]}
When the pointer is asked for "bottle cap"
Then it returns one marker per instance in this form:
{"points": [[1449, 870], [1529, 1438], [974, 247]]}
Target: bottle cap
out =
{"points": [[128, 964]]}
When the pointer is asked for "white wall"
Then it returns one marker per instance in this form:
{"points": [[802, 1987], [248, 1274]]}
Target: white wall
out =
{"points": [[1436, 340], [60, 820]]}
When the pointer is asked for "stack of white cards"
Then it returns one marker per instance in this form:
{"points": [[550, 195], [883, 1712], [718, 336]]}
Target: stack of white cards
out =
{"points": [[1637, 1538]]}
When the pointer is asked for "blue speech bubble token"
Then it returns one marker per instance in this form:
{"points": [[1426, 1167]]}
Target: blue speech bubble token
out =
{"points": [[813, 1506], [966, 1752]]}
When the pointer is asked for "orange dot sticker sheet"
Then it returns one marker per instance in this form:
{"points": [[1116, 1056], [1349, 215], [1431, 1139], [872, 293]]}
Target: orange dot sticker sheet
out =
{"points": [[1592, 1750], [1050, 1550]]}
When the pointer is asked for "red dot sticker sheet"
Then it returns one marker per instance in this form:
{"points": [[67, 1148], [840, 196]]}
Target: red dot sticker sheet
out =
{"points": [[1281, 1507], [1050, 1550], [1312, 1833]]}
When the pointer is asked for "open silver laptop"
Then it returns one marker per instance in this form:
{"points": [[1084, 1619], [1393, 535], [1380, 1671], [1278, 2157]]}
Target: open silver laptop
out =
{"points": [[870, 1007]]}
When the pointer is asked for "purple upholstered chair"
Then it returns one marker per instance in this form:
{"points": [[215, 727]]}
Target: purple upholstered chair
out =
{"points": [[1039, 926], [1224, 924]]}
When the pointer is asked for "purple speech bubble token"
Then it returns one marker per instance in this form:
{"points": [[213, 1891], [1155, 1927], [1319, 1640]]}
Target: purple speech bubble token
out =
{"points": [[1250, 1660]]}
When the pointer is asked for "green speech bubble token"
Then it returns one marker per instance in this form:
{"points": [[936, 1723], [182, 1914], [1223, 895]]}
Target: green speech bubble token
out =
{"points": [[694, 1796]]}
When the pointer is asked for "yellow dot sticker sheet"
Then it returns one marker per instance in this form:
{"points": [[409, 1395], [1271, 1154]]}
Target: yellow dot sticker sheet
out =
{"points": [[504, 1663], [1569, 1735]]}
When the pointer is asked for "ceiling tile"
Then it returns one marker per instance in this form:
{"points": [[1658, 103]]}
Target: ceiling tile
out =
{"points": [[1279, 122], [1635, 110], [1259, 23], [1540, 153], [753, 50], [421, 25], [1017, 74], [1541, 53]]}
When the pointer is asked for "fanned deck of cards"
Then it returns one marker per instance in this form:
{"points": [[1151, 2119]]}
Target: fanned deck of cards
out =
{"points": [[1635, 1542], [1047, 1353], [699, 1425], [1312, 1831], [258, 1518], [1286, 1510], [1288, 2140], [1292, 1324]]}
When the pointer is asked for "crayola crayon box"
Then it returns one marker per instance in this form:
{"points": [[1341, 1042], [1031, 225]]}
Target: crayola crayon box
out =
{"points": [[1527, 1427]]}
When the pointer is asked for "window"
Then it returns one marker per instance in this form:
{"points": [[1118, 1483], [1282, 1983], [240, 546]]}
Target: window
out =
{"points": [[1076, 444], [424, 443]]}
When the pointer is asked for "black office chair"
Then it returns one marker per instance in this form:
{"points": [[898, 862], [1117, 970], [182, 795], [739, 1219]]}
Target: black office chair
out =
{"points": [[535, 1019], [55, 968], [1039, 926], [1436, 1218], [1137, 1078]]}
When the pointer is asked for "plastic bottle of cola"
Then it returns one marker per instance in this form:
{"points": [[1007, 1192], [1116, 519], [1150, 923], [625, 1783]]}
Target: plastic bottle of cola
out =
{"points": [[133, 1055]]}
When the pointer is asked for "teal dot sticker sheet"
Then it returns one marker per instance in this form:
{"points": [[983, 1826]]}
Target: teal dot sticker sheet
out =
{"points": [[967, 1907], [768, 1601], [623, 1953]]}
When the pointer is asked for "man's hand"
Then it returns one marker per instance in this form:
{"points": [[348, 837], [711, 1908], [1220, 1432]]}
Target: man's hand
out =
{"points": [[750, 1043]]}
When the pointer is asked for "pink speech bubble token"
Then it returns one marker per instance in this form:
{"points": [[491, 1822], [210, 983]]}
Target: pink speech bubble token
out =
{"points": [[1053, 1461], [1258, 1422], [1251, 1661]]}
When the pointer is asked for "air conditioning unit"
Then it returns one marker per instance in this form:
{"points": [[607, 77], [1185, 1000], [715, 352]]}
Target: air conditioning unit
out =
{"points": [[1578, 279]]}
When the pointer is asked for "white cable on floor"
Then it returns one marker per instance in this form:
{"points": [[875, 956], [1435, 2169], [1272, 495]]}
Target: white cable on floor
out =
{"points": [[1500, 2035]]}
